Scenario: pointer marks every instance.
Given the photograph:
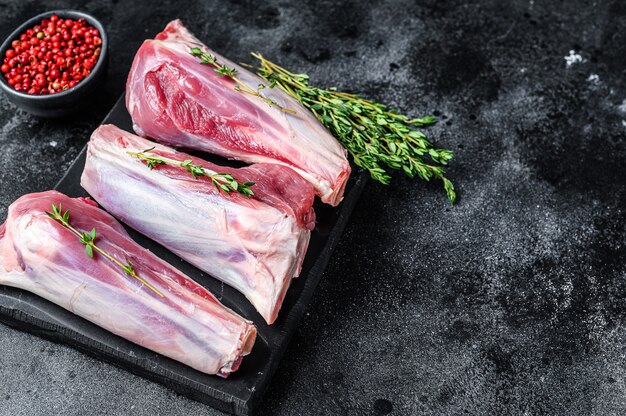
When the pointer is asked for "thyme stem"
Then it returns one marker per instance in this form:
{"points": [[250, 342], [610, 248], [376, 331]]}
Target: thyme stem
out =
{"points": [[88, 240], [209, 59], [221, 180]]}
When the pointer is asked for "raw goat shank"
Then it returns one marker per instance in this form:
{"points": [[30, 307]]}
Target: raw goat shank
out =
{"points": [[174, 99], [188, 324], [255, 244]]}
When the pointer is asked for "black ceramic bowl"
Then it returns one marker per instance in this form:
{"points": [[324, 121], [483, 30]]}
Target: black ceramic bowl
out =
{"points": [[70, 100]]}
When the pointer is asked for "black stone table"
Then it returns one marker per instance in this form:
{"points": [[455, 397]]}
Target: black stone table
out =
{"points": [[513, 301]]}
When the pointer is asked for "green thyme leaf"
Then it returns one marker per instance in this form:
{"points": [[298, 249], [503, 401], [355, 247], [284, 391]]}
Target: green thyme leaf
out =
{"points": [[128, 268], [225, 71]]}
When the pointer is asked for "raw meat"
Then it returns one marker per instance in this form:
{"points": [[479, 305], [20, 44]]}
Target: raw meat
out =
{"points": [[187, 324], [255, 245], [177, 101]]}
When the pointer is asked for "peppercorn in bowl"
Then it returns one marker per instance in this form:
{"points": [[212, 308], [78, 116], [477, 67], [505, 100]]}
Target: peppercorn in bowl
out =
{"points": [[53, 64]]}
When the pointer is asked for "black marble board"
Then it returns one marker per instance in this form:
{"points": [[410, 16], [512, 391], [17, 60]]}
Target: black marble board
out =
{"points": [[242, 391]]}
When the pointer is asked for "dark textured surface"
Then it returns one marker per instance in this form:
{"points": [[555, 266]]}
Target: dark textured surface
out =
{"points": [[510, 302]]}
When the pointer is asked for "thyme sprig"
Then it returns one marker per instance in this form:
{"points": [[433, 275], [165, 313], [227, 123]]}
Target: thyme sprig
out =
{"points": [[89, 238], [373, 134], [221, 180], [223, 70]]}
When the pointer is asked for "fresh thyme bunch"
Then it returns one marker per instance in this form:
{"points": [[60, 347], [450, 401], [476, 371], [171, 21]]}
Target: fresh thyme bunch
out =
{"points": [[374, 135]]}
